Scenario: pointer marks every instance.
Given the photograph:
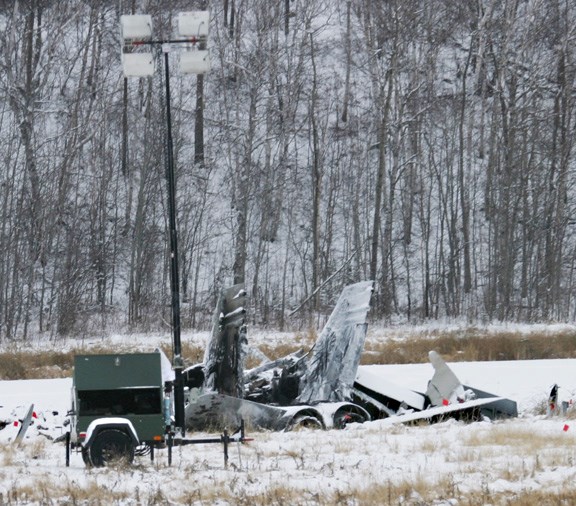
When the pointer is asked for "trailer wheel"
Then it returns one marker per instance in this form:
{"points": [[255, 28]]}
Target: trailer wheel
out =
{"points": [[111, 446], [86, 456]]}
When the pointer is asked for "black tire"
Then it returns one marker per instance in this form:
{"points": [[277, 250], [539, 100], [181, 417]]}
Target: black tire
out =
{"points": [[111, 446], [86, 456]]}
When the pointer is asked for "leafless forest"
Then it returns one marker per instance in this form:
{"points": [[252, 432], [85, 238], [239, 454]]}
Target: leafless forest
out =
{"points": [[427, 145]]}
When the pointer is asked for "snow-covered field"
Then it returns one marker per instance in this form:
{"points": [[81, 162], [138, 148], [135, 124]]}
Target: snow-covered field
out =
{"points": [[373, 463]]}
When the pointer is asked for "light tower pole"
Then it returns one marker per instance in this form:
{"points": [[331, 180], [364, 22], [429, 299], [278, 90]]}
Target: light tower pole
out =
{"points": [[137, 62]]}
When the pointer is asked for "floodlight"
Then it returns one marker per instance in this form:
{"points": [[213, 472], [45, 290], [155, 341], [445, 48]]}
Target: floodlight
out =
{"points": [[195, 62], [194, 23], [136, 26], [138, 64]]}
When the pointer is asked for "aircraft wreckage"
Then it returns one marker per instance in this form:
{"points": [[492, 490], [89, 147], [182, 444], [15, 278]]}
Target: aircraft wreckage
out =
{"points": [[319, 388]]}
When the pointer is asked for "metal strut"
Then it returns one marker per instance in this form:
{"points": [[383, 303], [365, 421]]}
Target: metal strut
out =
{"points": [[177, 363]]}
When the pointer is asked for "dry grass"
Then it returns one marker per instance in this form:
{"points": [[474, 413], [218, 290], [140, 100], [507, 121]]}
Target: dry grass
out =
{"points": [[45, 492], [38, 449], [413, 493], [55, 364], [281, 475], [424, 493], [27, 365], [418, 491], [470, 344], [567, 496], [298, 342], [23, 364], [530, 453], [192, 353], [522, 440], [535, 450], [7, 456]]}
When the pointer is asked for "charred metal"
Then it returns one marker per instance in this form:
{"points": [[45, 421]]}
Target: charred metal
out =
{"points": [[323, 387]]}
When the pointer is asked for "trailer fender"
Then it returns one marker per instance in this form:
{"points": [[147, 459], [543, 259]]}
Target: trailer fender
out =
{"points": [[100, 424], [109, 440]]}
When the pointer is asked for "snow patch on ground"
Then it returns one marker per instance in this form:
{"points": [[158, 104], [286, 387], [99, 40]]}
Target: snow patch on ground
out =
{"points": [[453, 459]]}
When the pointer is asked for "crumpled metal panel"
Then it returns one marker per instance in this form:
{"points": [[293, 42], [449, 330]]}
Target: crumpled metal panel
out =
{"points": [[224, 356], [332, 364]]}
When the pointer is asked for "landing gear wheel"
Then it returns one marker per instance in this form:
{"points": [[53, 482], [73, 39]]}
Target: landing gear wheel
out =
{"points": [[344, 419], [305, 422], [111, 446]]}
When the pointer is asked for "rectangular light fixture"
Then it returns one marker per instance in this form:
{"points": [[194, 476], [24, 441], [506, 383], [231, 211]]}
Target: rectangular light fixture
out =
{"points": [[194, 24], [195, 62], [136, 26], [137, 64]]}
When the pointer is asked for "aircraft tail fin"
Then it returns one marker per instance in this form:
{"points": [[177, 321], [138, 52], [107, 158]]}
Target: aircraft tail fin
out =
{"points": [[224, 356], [332, 363], [444, 388]]}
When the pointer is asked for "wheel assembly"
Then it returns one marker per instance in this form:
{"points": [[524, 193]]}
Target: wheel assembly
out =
{"points": [[305, 422], [110, 446]]}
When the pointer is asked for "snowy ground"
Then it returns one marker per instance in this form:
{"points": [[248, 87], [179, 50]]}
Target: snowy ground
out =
{"points": [[373, 463]]}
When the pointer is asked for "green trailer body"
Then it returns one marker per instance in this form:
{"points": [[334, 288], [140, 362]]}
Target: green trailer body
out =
{"points": [[128, 386], [124, 405]]}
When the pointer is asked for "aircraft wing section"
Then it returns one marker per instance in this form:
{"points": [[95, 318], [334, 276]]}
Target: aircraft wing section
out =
{"points": [[331, 366], [500, 407], [373, 389], [445, 389], [467, 410], [224, 355], [446, 396]]}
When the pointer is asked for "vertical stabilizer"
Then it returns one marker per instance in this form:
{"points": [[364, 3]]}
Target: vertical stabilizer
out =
{"points": [[444, 387], [331, 365], [224, 356]]}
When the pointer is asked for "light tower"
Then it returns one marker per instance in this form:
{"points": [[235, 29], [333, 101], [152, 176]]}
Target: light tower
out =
{"points": [[138, 60]]}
